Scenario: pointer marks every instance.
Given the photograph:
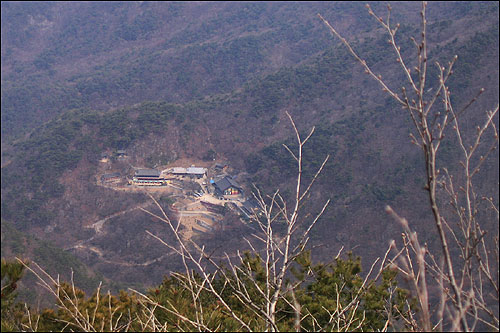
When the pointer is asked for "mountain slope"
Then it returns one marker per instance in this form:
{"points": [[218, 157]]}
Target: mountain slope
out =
{"points": [[195, 77]]}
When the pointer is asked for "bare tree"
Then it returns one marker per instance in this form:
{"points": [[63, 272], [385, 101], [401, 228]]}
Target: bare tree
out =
{"points": [[278, 251], [74, 313], [468, 283], [261, 290]]}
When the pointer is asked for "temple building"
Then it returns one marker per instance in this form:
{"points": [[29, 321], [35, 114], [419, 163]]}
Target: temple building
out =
{"points": [[192, 171], [227, 186], [148, 177]]}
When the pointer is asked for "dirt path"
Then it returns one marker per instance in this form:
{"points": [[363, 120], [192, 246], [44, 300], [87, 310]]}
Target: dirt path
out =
{"points": [[196, 220], [97, 226], [121, 263]]}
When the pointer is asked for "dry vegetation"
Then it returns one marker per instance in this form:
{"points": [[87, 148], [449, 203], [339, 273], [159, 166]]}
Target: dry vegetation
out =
{"points": [[453, 286]]}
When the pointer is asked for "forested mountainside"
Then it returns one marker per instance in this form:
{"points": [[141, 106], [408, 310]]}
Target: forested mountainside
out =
{"points": [[197, 81], [104, 55], [58, 56]]}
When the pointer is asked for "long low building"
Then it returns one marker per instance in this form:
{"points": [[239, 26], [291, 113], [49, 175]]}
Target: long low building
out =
{"points": [[148, 177], [192, 171], [110, 177], [249, 208]]}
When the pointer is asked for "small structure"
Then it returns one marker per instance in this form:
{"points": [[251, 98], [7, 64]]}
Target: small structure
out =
{"points": [[148, 177], [213, 208], [110, 178], [227, 186], [249, 208], [221, 166], [204, 224], [104, 158], [121, 153]]}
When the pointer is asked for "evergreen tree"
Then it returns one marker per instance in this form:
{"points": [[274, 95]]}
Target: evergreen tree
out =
{"points": [[12, 272]]}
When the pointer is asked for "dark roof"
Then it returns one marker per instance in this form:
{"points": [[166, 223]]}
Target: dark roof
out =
{"points": [[110, 175], [226, 183], [245, 210], [250, 205], [147, 173]]}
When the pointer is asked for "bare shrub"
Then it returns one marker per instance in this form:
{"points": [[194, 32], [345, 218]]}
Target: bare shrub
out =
{"points": [[467, 283]]}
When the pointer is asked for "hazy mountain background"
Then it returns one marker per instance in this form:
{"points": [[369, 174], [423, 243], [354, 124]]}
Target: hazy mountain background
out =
{"points": [[177, 80]]}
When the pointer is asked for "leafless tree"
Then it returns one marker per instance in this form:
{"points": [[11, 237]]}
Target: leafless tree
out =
{"points": [[278, 251], [281, 236], [468, 283], [74, 315]]}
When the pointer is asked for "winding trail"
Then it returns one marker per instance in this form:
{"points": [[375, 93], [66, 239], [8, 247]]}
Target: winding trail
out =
{"points": [[183, 213], [98, 228], [121, 263]]}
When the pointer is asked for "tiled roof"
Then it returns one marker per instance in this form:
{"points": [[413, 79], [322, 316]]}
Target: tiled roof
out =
{"points": [[189, 171], [226, 183], [147, 173], [110, 175], [178, 170], [195, 170], [250, 205]]}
